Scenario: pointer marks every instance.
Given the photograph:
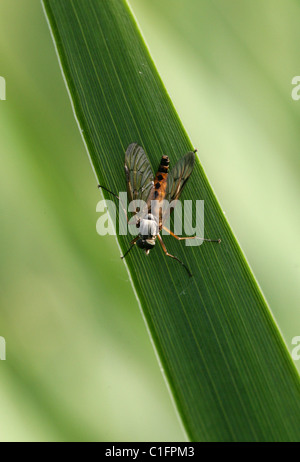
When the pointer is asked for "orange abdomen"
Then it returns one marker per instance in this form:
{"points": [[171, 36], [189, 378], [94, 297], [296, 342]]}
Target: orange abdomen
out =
{"points": [[160, 181]]}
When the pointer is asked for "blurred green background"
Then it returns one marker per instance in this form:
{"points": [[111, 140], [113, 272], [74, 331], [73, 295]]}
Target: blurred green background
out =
{"points": [[80, 365]]}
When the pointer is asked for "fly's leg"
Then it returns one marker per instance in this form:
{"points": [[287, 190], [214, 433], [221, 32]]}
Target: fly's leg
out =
{"points": [[132, 244], [190, 237], [172, 256], [117, 197]]}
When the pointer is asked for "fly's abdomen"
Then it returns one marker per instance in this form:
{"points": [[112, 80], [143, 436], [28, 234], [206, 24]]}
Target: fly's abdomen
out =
{"points": [[160, 181], [164, 165], [158, 192]]}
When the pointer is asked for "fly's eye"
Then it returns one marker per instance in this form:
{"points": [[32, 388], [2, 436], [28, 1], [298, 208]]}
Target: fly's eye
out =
{"points": [[148, 245], [144, 244], [140, 243]]}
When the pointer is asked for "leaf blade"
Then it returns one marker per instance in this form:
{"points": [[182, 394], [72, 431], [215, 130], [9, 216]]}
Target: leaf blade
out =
{"points": [[218, 344]]}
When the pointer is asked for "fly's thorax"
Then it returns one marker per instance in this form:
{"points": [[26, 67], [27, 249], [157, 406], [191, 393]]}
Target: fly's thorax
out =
{"points": [[148, 230], [148, 226]]}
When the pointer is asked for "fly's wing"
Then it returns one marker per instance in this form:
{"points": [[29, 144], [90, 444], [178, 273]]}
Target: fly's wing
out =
{"points": [[178, 178], [139, 173], [179, 175]]}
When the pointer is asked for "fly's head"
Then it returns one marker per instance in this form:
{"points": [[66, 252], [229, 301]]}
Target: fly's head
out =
{"points": [[146, 244], [148, 232]]}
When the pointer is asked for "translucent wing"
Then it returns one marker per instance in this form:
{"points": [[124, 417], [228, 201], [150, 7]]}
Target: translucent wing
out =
{"points": [[179, 175], [138, 172], [177, 180]]}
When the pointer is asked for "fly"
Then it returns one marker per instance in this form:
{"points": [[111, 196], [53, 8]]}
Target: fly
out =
{"points": [[143, 186]]}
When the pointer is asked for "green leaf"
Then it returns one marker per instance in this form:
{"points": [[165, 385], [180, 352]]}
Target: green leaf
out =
{"points": [[227, 366]]}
